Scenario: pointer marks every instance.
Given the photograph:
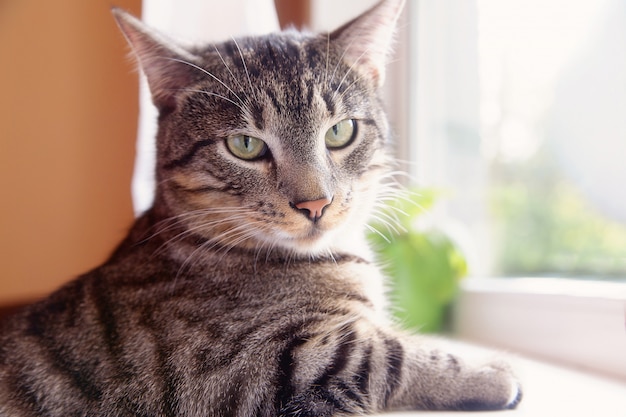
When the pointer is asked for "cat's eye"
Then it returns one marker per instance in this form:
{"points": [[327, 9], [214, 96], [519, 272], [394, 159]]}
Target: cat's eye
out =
{"points": [[246, 147], [341, 134]]}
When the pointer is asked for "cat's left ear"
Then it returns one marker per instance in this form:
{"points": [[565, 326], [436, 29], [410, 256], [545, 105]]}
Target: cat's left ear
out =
{"points": [[368, 39], [167, 66]]}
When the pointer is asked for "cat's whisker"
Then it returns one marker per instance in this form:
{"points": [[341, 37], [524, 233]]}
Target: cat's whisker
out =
{"points": [[208, 93], [206, 226], [390, 190], [170, 223], [233, 234], [208, 210], [272, 245], [187, 263], [234, 239], [392, 183], [352, 66], [260, 247], [383, 216], [409, 197], [220, 221], [239, 233], [227, 67], [406, 162], [290, 258], [339, 61], [245, 67], [393, 175], [327, 58], [182, 61], [390, 186], [389, 221], [388, 206], [329, 251], [350, 86], [379, 233]]}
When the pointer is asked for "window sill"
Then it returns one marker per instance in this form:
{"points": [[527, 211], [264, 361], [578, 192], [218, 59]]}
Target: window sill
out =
{"points": [[575, 323]]}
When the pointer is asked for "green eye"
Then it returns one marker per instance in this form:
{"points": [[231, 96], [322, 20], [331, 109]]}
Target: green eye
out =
{"points": [[246, 147], [340, 134]]}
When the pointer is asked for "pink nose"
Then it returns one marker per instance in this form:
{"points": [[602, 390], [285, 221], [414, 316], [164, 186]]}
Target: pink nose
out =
{"points": [[315, 208]]}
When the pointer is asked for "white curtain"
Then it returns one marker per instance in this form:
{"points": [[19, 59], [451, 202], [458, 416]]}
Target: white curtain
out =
{"points": [[192, 21]]}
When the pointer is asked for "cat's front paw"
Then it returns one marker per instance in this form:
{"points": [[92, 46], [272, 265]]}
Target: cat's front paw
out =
{"points": [[492, 387]]}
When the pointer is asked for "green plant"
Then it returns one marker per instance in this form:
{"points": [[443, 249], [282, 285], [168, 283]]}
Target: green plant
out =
{"points": [[424, 265]]}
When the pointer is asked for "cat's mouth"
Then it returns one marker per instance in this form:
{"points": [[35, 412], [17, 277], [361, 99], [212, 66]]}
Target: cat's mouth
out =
{"points": [[314, 233], [313, 238]]}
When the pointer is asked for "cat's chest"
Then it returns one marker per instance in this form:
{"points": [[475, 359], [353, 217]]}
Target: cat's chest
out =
{"points": [[241, 289], [349, 283]]}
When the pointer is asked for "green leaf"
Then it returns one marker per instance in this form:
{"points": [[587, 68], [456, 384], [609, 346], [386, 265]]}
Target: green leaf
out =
{"points": [[424, 266]]}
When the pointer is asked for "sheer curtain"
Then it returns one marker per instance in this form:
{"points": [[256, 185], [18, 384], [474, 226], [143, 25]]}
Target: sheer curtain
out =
{"points": [[190, 21]]}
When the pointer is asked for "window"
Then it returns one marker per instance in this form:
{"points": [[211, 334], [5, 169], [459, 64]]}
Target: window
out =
{"points": [[520, 117], [517, 111]]}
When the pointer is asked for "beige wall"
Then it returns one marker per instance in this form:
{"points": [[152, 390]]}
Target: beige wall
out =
{"points": [[68, 115]]}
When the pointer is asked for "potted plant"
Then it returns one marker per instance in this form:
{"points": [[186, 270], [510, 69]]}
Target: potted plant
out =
{"points": [[424, 264]]}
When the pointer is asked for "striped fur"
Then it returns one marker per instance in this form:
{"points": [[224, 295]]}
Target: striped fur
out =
{"points": [[226, 299]]}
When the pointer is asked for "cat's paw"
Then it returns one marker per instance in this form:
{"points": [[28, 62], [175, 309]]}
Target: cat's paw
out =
{"points": [[492, 387]]}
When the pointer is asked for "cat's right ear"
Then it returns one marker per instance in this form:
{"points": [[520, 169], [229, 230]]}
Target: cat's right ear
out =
{"points": [[367, 39], [168, 67]]}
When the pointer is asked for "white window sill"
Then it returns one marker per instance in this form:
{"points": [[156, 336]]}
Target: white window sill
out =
{"points": [[575, 323]]}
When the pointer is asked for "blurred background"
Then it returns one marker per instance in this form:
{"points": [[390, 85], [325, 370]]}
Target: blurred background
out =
{"points": [[520, 116]]}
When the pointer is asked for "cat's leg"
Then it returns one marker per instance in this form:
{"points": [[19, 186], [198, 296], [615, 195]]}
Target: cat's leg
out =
{"points": [[426, 377], [355, 369]]}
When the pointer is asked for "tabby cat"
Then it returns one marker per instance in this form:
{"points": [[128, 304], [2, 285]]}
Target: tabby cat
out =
{"points": [[247, 289]]}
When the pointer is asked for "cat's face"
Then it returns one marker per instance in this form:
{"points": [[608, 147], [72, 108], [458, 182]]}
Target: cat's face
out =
{"points": [[268, 142], [285, 151]]}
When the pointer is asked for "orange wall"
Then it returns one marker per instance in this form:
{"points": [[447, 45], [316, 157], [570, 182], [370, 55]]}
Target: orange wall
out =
{"points": [[68, 117]]}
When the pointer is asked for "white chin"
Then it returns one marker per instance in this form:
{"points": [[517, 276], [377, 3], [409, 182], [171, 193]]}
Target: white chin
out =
{"points": [[342, 240], [313, 244], [310, 245]]}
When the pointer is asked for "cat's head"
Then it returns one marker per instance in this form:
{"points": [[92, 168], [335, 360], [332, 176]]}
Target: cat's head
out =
{"points": [[270, 142]]}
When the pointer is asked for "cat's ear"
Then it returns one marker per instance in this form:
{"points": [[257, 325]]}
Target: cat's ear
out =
{"points": [[368, 39], [168, 67]]}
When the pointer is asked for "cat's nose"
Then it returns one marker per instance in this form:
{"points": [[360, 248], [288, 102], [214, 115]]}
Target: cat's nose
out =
{"points": [[314, 209]]}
